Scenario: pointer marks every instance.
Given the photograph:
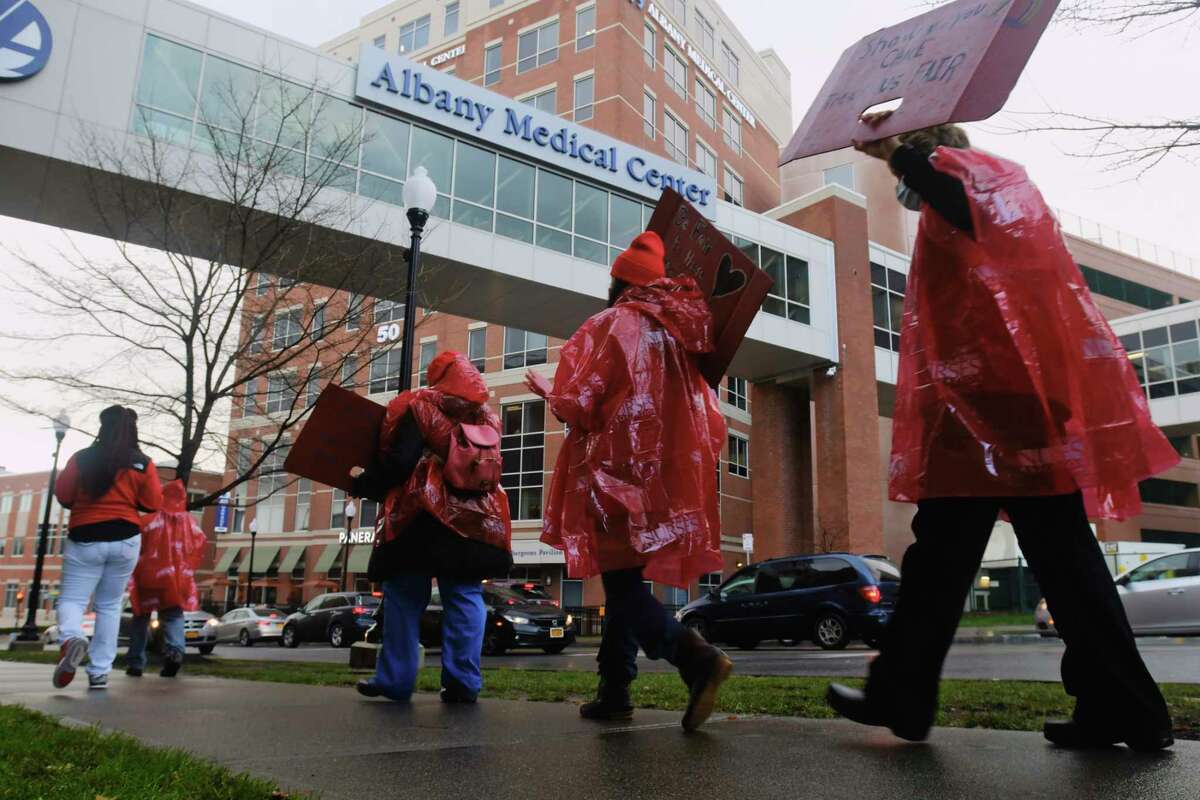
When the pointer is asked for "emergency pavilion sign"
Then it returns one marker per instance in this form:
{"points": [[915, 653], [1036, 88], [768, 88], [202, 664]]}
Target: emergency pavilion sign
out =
{"points": [[956, 63]]}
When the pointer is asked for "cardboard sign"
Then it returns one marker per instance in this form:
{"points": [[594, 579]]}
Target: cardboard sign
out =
{"points": [[342, 433], [734, 285], [956, 63]]}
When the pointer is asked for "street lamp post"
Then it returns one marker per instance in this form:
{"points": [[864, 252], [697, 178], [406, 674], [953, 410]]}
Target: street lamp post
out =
{"points": [[250, 583], [29, 631], [420, 194], [351, 510]]}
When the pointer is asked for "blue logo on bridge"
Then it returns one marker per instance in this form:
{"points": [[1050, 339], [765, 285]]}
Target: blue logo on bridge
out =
{"points": [[25, 40]]}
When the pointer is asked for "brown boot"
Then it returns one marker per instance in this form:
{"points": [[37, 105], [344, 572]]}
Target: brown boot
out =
{"points": [[703, 668]]}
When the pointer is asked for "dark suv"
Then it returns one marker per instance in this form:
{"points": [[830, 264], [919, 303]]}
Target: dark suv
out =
{"points": [[829, 598], [340, 618]]}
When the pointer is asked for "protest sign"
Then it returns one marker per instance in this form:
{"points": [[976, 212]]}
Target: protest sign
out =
{"points": [[342, 433]]}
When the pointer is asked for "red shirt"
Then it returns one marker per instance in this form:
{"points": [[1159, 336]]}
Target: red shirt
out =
{"points": [[135, 490]]}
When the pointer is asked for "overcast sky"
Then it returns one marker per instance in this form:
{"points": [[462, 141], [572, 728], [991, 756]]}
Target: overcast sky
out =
{"points": [[1087, 72]]}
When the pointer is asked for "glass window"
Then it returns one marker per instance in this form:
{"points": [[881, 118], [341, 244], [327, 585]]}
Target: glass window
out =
{"points": [[288, 328], [843, 175], [537, 47], [544, 101], [428, 352], [312, 387], [227, 99], [523, 348], [572, 593], [522, 448], [495, 3], [385, 146], [554, 200], [284, 111], [675, 71], [1170, 493], [883, 571], [350, 372], [733, 69], [625, 221], [337, 130], [649, 50], [281, 393], [354, 309], [1165, 569], [491, 64], [170, 77], [255, 340], [739, 456], [317, 329], [678, 9], [706, 104], [733, 132], [740, 584], [380, 42], [706, 160], [734, 189], [707, 33], [584, 97], [649, 117], [826, 571], [591, 211], [675, 135], [477, 348], [737, 393], [514, 193], [245, 455], [585, 28], [385, 371], [388, 311], [451, 24], [475, 174], [414, 35], [435, 153]]}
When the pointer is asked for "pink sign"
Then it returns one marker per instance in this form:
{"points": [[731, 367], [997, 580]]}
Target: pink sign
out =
{"points": [[956, 63]]}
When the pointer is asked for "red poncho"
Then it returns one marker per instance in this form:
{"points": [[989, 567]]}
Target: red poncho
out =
{"points": [[1011, 382], [456, 394], [635, 483], [172, 547]]}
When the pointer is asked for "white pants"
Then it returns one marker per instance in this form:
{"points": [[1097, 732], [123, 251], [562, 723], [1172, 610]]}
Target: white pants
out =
{"points": [[98, 570]]}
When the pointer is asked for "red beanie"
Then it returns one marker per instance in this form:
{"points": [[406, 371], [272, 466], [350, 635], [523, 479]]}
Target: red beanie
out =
{"points": [[642, 263]]}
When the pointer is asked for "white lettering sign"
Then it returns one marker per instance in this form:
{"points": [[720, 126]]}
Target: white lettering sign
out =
{"points": [[388, 333], [360, 536], [449, 55]]}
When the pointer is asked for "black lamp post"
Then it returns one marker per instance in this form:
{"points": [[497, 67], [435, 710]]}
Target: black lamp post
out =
{"points": [[250, 584], [350, 511], [29, 632], [420, 194]]}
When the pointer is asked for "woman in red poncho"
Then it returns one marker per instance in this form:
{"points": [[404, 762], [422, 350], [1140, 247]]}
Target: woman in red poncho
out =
{"points": [[1014, 396], [634, 493], [172, 547], [432, 530]]}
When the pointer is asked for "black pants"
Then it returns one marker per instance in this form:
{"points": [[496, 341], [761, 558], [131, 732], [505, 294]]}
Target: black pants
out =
{"points": [[633, 617], [1101, 667]]}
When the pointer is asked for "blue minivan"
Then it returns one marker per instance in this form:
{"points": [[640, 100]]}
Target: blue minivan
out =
{"points": [[829, 598]]}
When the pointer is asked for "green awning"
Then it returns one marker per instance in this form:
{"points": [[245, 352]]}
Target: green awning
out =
{"points": [[264, 554], [327, 558], [227, 556], [360, 557], [291, 558]]}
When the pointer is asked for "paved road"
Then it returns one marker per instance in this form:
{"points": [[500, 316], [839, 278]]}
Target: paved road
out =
{"points": [[1010, 657], [332, 741]]}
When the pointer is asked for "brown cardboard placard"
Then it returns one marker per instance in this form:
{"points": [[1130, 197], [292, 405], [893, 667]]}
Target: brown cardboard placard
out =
{"points": [[734, 285], [342, 433], [956, 63]]}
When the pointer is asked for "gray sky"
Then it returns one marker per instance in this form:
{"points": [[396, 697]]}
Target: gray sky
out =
{"points": [[1090, 72]]}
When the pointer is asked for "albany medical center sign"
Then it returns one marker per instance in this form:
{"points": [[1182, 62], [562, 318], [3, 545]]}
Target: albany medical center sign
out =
{"points": [[396, 82]]}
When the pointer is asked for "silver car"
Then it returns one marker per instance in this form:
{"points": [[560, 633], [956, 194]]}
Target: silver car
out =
{"points": [[249, 625], [1161, 597]]}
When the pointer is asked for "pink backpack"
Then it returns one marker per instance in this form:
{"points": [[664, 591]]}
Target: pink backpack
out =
{"points": [[473, 464]]}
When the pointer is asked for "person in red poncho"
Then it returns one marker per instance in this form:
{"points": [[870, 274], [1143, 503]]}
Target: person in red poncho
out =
{"points": [[1013, 397], [634, 493], [432, 530], [163, 581]]}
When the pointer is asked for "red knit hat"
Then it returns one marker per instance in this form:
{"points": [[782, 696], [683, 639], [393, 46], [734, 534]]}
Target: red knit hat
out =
{"points": [[642, 263]]}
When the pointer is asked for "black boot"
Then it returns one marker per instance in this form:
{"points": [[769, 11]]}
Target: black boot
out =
{"points": [[612, 703], [703, 668], [1071, 734], [854, 706]]}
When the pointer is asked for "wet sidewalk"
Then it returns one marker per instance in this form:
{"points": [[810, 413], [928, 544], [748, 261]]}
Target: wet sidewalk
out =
{"points": [[332, 741]]}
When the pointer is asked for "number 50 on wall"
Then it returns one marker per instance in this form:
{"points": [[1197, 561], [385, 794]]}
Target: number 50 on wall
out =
{"points": [[388, 333]]}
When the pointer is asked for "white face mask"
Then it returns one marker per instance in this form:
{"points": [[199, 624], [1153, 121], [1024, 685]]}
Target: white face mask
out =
{"points": [[907, 197]]}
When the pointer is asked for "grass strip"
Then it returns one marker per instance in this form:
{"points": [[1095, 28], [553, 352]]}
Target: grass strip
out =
{"points": [[996, 619], [42, 758], [997, 704]]}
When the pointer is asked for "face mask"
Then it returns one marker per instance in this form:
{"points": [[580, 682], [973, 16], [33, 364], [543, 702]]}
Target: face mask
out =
{"points": [[907, 197]]}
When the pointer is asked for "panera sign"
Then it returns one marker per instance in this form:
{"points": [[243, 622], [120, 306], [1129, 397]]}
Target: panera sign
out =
{"points": [[701, 63]]}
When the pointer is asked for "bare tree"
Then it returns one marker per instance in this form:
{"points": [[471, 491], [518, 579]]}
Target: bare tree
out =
{"points": [[233, 301], [1129, 15]]}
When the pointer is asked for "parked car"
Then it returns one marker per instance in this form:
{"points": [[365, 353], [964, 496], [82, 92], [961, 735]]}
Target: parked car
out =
{"points": [[512, 621], [199, 629], [51, 634], [249, 625], [1161, 597], [534, 593], [340, 618], [830, 598]]}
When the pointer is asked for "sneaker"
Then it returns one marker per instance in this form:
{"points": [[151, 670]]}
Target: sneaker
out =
{"points": [[612, 704], [71, 655], [133, 672], [97, 681], [172, 661]]}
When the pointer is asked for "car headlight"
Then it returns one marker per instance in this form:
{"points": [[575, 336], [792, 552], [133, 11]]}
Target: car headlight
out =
{"points": [[154, 623], [212, 622], [570, 620], [517, 619]]}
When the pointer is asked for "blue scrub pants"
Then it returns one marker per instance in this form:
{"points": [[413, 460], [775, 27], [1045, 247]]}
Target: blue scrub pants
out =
{"points": [[464, 614]]}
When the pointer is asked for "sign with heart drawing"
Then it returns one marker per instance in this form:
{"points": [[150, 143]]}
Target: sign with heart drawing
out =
{"points": [[734, 285]]}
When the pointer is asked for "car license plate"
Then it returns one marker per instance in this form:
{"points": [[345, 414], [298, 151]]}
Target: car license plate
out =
{"points": [[192, 634], [556, 633]]}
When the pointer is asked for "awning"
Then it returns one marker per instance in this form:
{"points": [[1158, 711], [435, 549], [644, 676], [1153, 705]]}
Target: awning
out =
{"points": [[227, 556], [360, 557], [328, 556], [291, 558], [264, 554]]}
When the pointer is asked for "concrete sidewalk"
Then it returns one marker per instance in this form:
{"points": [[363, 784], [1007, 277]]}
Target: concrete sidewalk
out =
{"points": [[332, 741]]}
